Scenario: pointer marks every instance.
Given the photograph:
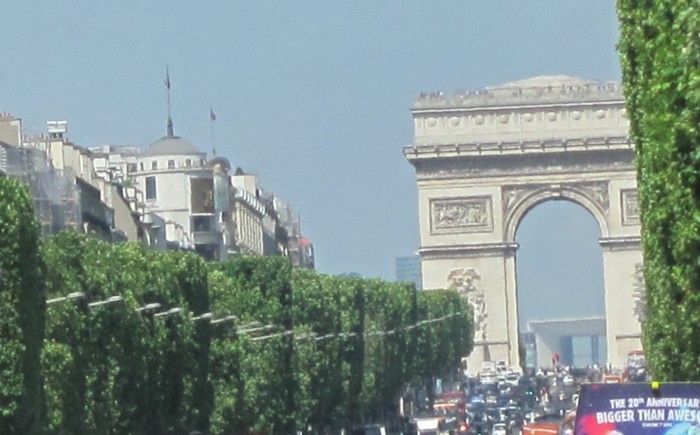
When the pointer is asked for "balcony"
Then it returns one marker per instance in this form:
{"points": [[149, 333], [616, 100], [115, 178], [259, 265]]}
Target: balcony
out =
{"points": [[206, 238]]}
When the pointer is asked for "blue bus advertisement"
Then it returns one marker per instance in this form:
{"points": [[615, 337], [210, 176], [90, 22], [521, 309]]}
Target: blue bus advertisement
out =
{"points": [[638, 409]]}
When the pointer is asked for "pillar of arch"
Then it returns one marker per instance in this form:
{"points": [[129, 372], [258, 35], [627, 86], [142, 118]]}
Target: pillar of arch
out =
{"points": [[483, 159]]}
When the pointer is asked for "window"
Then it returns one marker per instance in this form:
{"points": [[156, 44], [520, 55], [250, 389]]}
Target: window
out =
{"points": [[154, 164], [130, 167], [141, 165], [188, 163], [171, 164], [151, 188], [201, 223]]}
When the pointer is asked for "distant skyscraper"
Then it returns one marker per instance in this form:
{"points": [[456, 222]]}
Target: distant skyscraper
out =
{"points": [[408, 269]]}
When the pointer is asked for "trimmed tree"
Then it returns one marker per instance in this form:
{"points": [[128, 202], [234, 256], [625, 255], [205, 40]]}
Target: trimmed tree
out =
{"points": [[254, 383], [660, 53], [22, 312]]}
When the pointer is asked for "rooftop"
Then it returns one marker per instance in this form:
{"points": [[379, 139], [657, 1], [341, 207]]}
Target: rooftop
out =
{"points": [[527, 92]]}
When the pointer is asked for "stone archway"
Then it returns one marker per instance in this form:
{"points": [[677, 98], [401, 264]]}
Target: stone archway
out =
{"points": [[484, 158]]}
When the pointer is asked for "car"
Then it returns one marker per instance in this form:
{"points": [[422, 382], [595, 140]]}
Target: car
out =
{"points": [[487, 378], [568, 381], [512, 379], [499, 429]]}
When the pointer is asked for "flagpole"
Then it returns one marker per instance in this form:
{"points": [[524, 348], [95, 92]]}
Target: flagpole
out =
{"points": [[167, 86], [212, 118]]}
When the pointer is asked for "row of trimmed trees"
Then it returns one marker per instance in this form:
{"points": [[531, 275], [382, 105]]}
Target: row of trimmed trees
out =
{"points": [[660, 55], [305, 350]]}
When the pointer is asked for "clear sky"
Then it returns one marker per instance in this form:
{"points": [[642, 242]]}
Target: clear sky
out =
{"points": [[559, 264], [313, 96]]}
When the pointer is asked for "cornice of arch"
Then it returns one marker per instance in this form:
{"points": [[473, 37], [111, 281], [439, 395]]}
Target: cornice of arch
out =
{"points": [[542, 146], [468, 250], [621, 243]]}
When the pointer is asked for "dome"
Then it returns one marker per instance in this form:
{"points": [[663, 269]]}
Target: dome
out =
{"points": [[222, 161], [169, 145]]}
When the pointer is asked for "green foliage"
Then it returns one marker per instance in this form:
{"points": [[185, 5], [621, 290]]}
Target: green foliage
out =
{"points": [[660, 53], [111, 368], [337, 350], [318, 363], [254, 383], [441, 345], [390, 308], [366, 353], [22, 313]]}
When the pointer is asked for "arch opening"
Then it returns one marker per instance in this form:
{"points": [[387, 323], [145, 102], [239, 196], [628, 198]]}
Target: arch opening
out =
{"points": [[560, 287]]}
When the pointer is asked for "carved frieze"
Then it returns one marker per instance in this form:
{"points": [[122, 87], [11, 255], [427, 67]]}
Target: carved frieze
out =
{"points": [[465, 281], [630, 206], [508, 121], [512, 195], [461, 215], [596, 191]]}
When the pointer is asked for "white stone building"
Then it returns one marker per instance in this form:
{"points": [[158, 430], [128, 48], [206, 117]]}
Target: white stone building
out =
{"points": [[199, 203]]}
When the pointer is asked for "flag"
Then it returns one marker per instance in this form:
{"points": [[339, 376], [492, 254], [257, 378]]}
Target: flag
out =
{"points": [[212, 115], [167, 78]]}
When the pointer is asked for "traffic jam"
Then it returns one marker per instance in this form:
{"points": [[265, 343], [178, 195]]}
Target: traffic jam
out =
{"points": [[502, 400]]}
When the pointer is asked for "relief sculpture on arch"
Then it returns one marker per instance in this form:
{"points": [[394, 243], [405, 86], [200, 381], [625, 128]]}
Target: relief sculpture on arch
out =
{"points": [[465, 280]]}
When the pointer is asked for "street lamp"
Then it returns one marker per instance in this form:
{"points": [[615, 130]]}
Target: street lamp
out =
{"points": [[171, 311], [259, 328], [205, 316], [305, 336], [228, 318], [74, 295], [109, 300], [149, 307], [279, 334], [253, 324]]}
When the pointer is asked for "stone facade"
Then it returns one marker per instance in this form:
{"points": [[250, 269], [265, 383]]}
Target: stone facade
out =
{"points": [[483, 159]]}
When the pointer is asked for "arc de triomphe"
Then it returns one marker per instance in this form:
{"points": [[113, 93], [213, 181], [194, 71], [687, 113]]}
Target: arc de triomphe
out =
{"points": [[483, 159]]}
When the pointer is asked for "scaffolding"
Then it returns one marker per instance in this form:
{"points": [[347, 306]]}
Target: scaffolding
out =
{"points": [[54, 192]]}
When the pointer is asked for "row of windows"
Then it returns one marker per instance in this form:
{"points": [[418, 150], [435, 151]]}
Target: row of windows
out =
{"points": [[249, 230], [131, 167]]}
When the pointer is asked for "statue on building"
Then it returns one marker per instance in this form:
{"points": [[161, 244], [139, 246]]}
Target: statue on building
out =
{"points": [[465, 280]]}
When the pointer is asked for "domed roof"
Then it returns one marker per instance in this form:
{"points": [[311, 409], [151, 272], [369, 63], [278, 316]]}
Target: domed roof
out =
{"points": [[169, 145]]}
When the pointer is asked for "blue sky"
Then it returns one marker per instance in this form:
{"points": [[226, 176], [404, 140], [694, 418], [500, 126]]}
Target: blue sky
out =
{"points": [[313, 96]]}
